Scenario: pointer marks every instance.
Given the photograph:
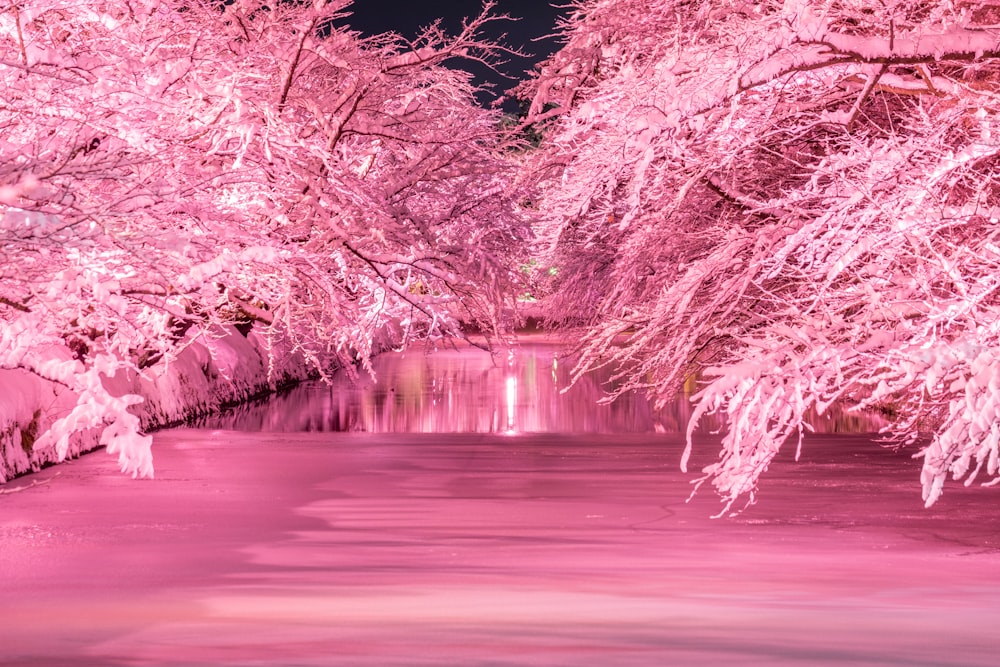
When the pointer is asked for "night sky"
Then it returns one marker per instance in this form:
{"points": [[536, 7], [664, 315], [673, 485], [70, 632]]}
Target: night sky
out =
{"points": [[537, 21]]}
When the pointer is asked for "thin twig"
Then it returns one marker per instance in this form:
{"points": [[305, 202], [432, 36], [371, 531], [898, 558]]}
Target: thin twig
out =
{"points": [[29, 486]]}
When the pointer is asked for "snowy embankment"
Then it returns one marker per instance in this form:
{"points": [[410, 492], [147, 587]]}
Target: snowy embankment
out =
{"points": [[205, 376]]}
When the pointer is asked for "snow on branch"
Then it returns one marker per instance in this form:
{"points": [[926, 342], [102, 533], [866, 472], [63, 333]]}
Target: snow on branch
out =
{"points": [[176, 170], [792, 206]]}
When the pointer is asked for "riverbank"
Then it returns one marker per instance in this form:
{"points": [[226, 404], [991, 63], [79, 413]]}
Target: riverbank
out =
{"points": [[208, 374]]}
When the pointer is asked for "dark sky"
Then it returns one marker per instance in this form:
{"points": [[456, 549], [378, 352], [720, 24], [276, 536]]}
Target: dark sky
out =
{"points": [[537, 20]]}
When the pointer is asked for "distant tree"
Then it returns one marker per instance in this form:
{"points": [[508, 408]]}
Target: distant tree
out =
{"points": [[169, 167], [797, 202]]}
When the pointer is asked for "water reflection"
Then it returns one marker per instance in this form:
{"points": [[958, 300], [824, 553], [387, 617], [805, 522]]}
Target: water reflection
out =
{"points": [[466, 390], [463, 390]]}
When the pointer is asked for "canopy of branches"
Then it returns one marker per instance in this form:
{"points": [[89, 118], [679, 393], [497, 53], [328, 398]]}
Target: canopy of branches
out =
{"points": [[795, 202], [169, 167]]}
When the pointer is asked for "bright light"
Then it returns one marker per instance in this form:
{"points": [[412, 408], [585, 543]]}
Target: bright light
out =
{"points": [[511, 402]]}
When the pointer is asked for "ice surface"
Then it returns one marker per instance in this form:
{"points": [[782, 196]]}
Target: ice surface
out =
{"points": [[487, 549]]}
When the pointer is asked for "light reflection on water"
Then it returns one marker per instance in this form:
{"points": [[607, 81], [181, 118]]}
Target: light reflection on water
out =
{"points": [[452, 391], [466, 390]]}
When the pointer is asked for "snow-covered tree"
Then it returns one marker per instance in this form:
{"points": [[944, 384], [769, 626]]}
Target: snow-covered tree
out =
{"points": [[795, 202], [169, 168]]}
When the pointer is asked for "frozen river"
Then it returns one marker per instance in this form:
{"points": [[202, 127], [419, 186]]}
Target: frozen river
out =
{"points": [[340, 526]]}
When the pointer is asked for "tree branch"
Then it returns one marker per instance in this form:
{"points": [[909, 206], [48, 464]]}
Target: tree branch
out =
{"points": [[287, 85], [865, 92], [15, 305]]}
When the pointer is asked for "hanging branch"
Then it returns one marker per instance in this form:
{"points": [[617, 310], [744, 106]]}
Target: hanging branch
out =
{"points": [[20, 35], [865, 92], [286, 87]]}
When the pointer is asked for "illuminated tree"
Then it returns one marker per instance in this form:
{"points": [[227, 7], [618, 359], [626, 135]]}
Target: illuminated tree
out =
{"points": [[795, 202], [169, 169]]}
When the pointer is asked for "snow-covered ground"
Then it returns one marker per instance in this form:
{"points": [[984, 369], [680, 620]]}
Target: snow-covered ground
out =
{"points": [[214, 371]]}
